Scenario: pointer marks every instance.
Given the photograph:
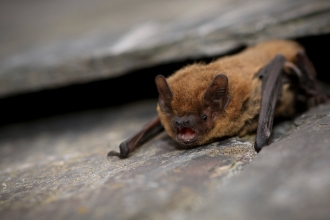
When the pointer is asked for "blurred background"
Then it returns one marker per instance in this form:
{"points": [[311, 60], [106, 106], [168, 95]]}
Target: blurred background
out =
{"points": [[93, 54]]}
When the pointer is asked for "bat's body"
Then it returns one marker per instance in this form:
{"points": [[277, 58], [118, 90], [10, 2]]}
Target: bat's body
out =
{"points": [[244, 88], [233, 95]]}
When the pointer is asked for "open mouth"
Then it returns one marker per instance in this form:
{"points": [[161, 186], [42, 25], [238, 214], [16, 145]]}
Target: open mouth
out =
{"points": [[186, 135]]}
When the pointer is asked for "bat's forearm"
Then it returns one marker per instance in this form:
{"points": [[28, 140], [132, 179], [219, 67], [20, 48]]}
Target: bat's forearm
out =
{"points": [[126, 147]]}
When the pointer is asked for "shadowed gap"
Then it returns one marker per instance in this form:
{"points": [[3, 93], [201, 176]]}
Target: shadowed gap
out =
{"points": [[127, 88]]}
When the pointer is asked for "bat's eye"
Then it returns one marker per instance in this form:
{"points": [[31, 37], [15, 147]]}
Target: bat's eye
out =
{"points": [[204, 117]]}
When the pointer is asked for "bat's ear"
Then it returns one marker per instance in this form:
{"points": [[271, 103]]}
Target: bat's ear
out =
{"points": [[216, 95], [165, 93]]}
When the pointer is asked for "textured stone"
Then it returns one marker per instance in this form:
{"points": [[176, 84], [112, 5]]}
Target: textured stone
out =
{"points": [[60, 164], [288, 180], [51, 44], [57, 168]]}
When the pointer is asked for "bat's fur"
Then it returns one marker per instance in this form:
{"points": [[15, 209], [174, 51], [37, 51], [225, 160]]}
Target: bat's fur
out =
{"points": [[241, 115]]}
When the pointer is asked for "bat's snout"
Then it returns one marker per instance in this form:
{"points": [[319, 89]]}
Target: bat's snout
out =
{"points": [[185, 129]]}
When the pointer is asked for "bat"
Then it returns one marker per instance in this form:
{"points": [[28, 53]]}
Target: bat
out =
{"points": [[234, 95]]}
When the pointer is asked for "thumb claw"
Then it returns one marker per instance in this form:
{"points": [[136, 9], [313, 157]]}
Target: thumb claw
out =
{"points": [[114, 153]]}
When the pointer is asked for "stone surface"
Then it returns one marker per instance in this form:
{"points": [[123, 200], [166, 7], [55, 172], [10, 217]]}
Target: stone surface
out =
{"points": [[60, 164], [57, 169], [50, 44], [49, 161], [288, 180]]}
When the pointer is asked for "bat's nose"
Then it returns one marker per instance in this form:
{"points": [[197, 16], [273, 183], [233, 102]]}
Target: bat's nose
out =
{"points": [[177, 123], [182, 123]]}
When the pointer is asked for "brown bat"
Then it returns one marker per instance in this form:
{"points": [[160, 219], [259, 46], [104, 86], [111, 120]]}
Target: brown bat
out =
{"points": [[233, 95]]}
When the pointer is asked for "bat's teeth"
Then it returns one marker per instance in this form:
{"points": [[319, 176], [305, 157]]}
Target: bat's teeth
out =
{"points": [[186, 134]]}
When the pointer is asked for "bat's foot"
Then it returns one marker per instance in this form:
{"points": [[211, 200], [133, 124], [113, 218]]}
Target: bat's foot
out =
{"points": [[318, 99]]}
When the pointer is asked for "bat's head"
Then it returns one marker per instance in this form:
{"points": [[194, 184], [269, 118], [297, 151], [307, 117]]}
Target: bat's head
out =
{"points": [[188, 116]]}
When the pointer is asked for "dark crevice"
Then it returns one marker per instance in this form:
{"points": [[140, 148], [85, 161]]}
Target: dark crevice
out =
{"points": [[117, 91], [317, 48]]}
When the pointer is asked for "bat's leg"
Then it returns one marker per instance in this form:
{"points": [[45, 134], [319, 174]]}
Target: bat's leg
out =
{"points": [[150, 130], [272, 77], [304, 70]]}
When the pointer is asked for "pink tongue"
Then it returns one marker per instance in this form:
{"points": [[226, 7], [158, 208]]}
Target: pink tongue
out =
{"points": [[187, 133]]}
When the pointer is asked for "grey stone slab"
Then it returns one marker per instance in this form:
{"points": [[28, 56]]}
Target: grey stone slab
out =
{"points": [[57, 168], [57, 43], [287, 180]]}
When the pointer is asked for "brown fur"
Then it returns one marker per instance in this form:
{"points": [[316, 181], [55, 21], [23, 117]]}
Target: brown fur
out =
{"points": [[240, 117]]}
